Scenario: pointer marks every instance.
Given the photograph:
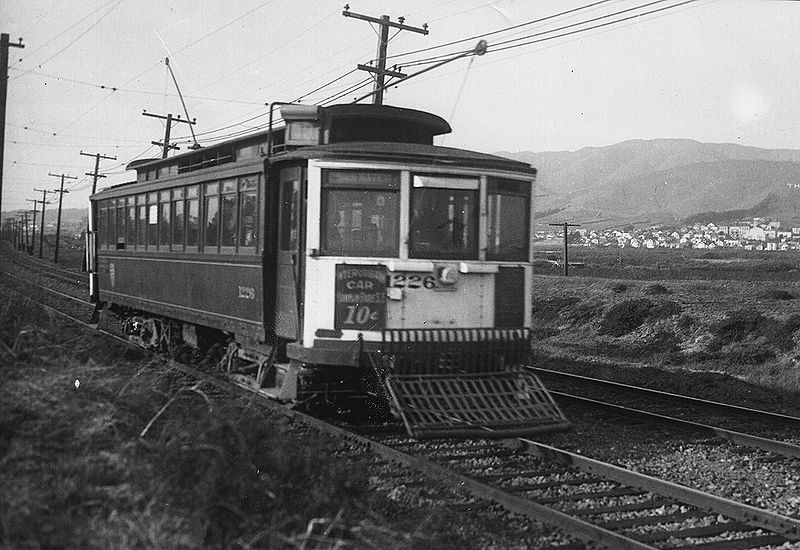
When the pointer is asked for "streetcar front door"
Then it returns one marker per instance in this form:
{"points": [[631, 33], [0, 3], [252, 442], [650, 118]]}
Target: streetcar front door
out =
{"points": [[291, 240]]}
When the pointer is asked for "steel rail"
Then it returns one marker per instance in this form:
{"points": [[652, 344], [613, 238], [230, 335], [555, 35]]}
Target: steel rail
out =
{"points": [[766, 444], [787, 526], [668, 395], [53, 291]]}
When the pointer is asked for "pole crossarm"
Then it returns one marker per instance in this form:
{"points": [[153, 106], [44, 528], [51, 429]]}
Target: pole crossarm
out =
{"points": [[380, 71], [166, 145]]}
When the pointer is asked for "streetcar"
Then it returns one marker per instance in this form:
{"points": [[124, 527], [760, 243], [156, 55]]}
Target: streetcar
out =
{"points": [[338, 255]]}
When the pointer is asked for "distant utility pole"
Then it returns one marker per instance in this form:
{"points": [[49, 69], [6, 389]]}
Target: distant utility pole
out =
{"points": [[166, 145], [25, 218], [41, 233], [33, 228], [380, 71], [566, 227], [60, 200], [96, 174], [4, 45]]}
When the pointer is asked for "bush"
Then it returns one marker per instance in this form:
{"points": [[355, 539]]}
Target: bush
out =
{"points": [[776, 294], [625, 317], [618, 288], [656, 289], [744, 335], [549, 309]]}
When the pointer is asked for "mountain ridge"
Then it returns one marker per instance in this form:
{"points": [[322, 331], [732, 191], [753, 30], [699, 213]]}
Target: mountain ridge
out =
{"points": [[665, 179]]}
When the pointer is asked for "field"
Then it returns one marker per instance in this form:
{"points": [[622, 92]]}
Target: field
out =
{"points": [[731, 316]]}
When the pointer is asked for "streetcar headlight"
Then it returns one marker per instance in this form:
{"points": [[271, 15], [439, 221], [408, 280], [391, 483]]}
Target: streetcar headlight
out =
{"points": [[447, 275]]}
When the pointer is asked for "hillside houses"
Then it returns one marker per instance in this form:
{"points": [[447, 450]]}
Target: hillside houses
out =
{"points": [[755, 234]]}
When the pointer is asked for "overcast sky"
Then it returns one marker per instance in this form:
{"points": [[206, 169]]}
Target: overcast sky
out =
{"points": [[710, 70]]}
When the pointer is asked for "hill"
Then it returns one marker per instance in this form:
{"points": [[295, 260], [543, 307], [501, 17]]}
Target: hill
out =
{"points": [[665, 179]]}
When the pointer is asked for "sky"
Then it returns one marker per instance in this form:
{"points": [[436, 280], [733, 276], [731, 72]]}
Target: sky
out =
{"points": [[724, 71]]}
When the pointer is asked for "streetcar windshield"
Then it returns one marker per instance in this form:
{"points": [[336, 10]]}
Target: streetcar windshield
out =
{"points": [[444, 218], [361, 213], [508, 206]]}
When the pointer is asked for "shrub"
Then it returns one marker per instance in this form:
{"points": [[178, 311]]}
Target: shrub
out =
{"points": [[625, 317], [776, 294], [656, 289], [549, 309], [757, 335], [618, 288]]}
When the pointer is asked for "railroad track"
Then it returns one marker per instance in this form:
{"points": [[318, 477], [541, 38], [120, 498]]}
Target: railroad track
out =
{"points": [[735, 423], [597, 502]]}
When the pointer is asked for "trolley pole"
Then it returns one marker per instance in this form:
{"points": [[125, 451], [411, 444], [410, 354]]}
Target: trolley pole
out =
{"points": [[4, 46], [166, 145], [60, 200], [380, 71], [566, 227], [41, 232]]}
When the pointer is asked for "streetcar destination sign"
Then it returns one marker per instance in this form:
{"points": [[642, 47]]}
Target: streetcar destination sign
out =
{"points": [[360, 297]]}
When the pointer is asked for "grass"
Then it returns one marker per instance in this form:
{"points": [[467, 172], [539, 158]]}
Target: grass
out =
{"points": [[747, 329], [102, 447]]}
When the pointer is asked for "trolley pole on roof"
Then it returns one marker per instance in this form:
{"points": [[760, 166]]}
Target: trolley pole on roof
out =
{"points": [[380, 71], [566, 226], [41, 232], [4, 46], [60, 200], [166, 145]]}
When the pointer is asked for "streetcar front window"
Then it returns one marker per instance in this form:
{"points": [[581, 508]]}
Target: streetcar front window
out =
{"points": [[360, 213], [508, 220], [444, 218]]}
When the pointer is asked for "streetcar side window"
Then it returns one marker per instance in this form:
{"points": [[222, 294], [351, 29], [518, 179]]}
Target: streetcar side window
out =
{"points": [[130, 235], [103, 229], [120, 242], [211, 218], [444, 218], [164, 220], [192, 218], [360, 213], [248, 213], [177, 220], [141, 223], [228, 223], [152, 221], [508, 205]]}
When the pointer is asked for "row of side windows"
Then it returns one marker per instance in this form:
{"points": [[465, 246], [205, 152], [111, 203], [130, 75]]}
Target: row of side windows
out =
{"points": [[216, 217]]}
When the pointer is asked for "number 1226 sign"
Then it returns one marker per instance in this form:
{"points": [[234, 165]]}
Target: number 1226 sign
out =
{"points": [[360, 297]]}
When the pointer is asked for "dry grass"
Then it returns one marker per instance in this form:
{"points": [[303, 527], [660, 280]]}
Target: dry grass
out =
{"points": [[748, 329], [102, 447]]}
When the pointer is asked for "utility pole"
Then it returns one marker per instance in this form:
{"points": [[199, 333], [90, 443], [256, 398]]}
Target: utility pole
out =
{"points": [[41, 233], [96, 174], [166, 145], [566, 225], [383, 41], [60, 200], [4, 45], [33, 228], [25, 218]]}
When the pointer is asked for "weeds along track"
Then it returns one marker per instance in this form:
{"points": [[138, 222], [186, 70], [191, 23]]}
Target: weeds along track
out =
{"points": [[599, 503], [47, 269]]}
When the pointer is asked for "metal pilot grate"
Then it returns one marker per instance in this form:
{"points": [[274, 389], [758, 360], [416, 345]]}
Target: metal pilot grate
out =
{"points": [[464, 383]]}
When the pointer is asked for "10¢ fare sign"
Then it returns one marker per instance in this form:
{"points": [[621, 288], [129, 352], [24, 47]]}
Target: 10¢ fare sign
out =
{"points": [[360, 297]]}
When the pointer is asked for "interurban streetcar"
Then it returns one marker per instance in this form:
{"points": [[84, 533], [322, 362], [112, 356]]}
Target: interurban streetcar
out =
{"points": [[340, 255]]}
